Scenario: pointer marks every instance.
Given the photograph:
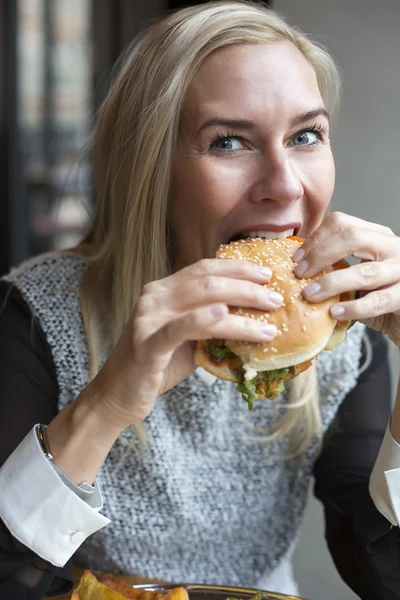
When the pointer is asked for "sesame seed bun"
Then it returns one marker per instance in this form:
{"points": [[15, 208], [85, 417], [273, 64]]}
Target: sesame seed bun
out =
{"points": [[304, 329]]}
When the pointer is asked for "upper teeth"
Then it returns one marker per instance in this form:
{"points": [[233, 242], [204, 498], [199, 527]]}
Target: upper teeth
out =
{"points": [[269, 235]]}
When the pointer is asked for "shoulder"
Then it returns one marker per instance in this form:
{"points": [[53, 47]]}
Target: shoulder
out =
{"points": [[50, 286], [52, 271]]}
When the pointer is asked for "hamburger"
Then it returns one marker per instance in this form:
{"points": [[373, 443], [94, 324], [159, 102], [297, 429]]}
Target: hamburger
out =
{"points": [[304, 329]]}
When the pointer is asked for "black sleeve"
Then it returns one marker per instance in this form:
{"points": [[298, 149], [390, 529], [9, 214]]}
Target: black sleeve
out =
{"points": [[364, 545], [28, 395]]}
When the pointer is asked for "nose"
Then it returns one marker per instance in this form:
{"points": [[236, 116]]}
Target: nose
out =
{"points": [[278, 178]]}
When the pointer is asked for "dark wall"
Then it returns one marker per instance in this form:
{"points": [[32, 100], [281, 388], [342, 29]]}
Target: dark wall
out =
{"points": [[114, 24], [13, 222]]}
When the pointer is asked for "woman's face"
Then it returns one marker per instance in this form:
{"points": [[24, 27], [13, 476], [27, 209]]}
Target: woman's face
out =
{"points": [[253, 152]]}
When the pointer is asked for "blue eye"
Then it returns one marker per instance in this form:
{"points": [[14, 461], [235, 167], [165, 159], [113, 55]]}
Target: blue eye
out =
{"points": [[227, 144], [305, 138]]}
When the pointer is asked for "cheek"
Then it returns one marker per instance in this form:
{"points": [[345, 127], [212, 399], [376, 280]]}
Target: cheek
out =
{"points": [[205, 189], [321, 183]]}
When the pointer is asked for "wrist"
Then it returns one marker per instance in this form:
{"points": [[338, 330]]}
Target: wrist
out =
{"points": [[115, 398], [80, 439]]}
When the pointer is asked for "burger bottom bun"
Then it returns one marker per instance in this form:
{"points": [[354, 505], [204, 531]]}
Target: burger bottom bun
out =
{"points": [[223, 369]]}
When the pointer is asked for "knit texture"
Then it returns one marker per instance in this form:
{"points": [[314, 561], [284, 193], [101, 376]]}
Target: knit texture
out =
{"points": [[205, 501]]}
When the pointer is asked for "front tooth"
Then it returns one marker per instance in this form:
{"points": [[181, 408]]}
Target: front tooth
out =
{"points": [[269, 235]]}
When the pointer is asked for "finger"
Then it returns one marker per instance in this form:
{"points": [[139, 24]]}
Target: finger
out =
{"points": [[334, 224], [209, 290], [236, 269], [364, 276], [361, 243], [372, 304], [213, 321]]}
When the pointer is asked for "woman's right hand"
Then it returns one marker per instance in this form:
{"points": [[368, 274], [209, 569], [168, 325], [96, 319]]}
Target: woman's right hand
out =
{"points": [[155, 352]]}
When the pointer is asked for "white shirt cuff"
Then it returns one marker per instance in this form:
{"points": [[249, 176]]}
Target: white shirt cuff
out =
{"points": [[90, 494], [384, 483], [41, 511]]}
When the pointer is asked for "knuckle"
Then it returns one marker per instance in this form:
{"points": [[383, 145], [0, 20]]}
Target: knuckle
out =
{"points": [[193, 320], [369, 272], [251, 324], [379, 301], [148, 288], [211, 284], [330, 281], [388, 230], [338, 219], [316, 238], [202, 267], [354, 236], [247, 325], [141, 306]]}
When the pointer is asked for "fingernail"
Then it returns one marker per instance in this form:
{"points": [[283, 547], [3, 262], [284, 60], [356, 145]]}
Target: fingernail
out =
{"points": [[275, 298], [298, 255], [219, 310], [268, 330], [312, 289], [337, 310], [301, 268], [265, 271]]}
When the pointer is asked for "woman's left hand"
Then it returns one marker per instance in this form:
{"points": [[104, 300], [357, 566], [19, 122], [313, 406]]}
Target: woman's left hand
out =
{"points": [[377, 276]]}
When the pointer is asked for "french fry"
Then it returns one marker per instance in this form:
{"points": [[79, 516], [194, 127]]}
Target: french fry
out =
{"points": [[118, 585], [90, 588], [105, 586]]}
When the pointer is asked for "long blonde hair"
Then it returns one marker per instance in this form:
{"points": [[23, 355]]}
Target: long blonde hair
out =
{"points": [[133, 146]]}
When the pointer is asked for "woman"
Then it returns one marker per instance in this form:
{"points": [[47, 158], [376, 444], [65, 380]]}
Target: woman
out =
{"points": [[217, 123]]}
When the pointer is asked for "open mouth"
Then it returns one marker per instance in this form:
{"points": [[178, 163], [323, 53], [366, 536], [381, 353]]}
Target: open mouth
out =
{"points": [[268, 235]]}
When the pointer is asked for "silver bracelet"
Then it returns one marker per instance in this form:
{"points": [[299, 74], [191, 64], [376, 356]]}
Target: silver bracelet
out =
{"points": [[42, 436]]}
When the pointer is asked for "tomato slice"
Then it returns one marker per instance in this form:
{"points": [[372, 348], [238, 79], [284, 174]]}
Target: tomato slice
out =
{"points": [[296, 239]]}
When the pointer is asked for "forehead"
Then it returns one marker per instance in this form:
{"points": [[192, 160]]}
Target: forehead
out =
{"points": [[244, 79]]}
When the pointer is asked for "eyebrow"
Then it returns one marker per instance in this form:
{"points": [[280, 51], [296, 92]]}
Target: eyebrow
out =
{"points": [[308, 116], [232, 123], [246, 124]]}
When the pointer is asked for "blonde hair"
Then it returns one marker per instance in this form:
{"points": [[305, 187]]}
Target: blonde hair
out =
{"points": [[133, 146]]}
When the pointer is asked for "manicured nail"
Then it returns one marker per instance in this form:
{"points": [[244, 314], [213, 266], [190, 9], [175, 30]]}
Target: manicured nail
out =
{"points": [[268, 330], [301, 268], [312, 289], [275, 298], [298, 255], [265, 271], [337, 310], [219, 310]]}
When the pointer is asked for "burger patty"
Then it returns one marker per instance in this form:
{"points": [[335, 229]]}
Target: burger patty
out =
{"points": [[266, 384]]}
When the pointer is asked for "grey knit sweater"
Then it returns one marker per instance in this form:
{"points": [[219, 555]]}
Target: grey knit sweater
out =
{"points": [[205, 502]]}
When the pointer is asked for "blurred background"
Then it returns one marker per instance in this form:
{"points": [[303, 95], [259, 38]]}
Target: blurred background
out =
{"points": [[55, 60]]}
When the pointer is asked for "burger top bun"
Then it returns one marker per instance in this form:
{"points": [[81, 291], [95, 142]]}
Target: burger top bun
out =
{"points": [[304, 329]]}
